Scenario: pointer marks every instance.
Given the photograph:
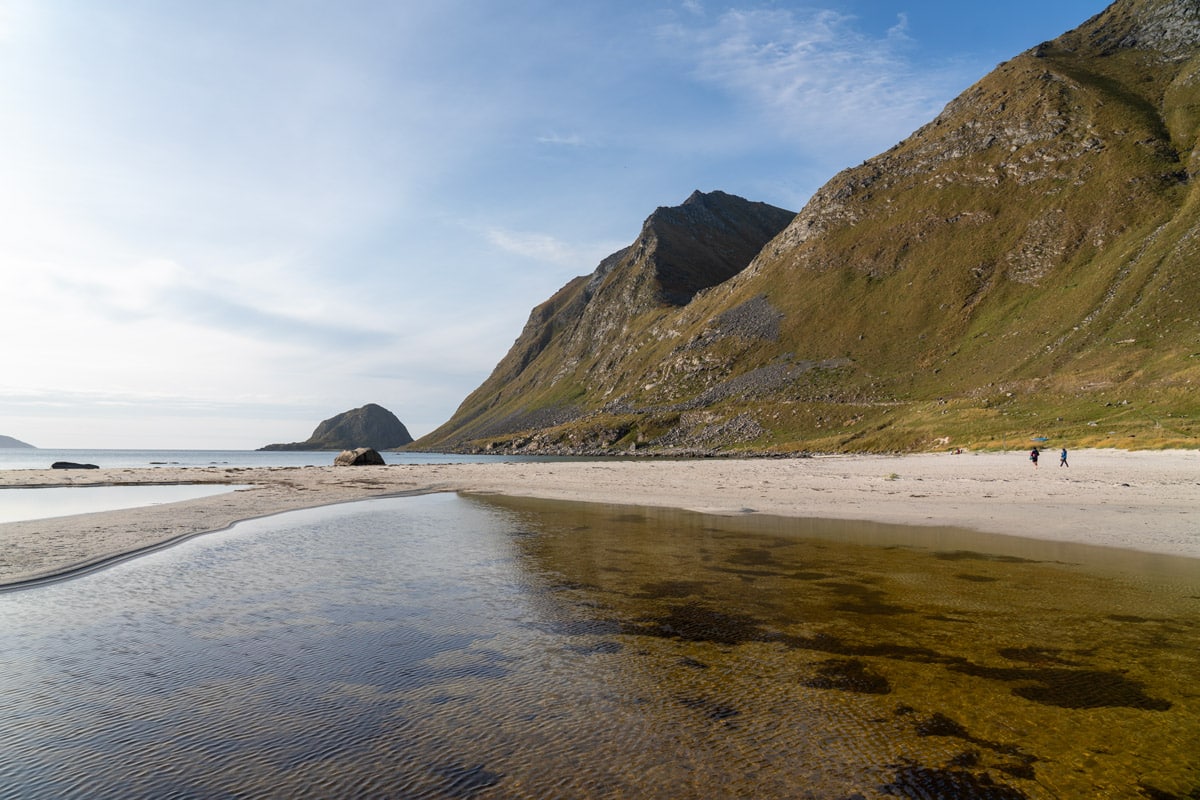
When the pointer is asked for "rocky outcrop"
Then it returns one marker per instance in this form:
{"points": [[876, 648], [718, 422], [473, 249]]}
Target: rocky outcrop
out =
{"points": [[72, 465], [370, 426], [359, 457], [1168, 28]]}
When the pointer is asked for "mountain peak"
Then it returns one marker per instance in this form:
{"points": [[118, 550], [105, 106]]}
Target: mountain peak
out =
{"points": [[713, 198], [583, 338], [711, 237]]}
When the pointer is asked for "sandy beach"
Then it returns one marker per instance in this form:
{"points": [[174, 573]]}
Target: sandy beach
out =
{"points": [[1145, 501]]}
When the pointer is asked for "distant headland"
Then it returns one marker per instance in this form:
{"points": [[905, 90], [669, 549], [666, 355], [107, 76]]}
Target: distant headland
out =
{"points": [[8, 441]]}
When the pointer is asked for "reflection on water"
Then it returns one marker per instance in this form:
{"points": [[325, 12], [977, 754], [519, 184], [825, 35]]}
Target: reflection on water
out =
{"points": [[485, 648], [44, 502]]}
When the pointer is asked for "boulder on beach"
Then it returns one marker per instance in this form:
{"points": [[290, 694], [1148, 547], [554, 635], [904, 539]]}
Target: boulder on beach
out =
{"points": [[72, 465], [359, 457]]}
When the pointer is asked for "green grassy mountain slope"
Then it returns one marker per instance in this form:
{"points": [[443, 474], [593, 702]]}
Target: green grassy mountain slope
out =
{"points": [[1025, 265]]}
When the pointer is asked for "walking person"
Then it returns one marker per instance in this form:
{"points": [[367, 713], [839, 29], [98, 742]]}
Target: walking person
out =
{"points": [[1033, 456], [1062, 458]]}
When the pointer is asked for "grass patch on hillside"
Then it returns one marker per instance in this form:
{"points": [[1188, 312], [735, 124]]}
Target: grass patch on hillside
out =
{"points": [[1168, 418]]}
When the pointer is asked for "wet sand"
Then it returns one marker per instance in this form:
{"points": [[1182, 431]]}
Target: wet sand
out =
{"points": [[1146, 501]]}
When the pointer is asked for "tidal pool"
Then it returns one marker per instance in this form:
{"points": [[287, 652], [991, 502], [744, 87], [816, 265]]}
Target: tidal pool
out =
{"points": [[483, 647], [45, 502]]}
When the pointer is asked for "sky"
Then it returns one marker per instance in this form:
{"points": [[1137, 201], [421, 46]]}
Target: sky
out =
{"points": [[222, 222]]}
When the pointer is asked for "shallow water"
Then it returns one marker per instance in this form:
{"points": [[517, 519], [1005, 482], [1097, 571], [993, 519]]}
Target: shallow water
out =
{"points": [[445, 646], [45, 502]]}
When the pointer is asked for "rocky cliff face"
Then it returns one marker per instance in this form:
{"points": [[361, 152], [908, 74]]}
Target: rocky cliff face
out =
{"points": [[371, 426], [1025, 264]]}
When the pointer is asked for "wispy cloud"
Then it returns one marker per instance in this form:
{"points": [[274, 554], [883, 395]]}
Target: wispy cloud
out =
{"points": [[899, 31], [210, 309], [568, 140], [815, 73], [548, 249]]}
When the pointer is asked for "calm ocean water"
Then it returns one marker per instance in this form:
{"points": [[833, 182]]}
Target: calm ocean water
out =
{"points": [[469, 647], [26, 458]]}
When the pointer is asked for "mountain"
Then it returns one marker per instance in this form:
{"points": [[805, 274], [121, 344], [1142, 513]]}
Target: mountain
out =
{"points": [[10, 442], [370, 426], [579, 347], [1025, 265]]}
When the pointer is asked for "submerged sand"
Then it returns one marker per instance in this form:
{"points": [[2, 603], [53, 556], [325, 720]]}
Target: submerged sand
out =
{"points": [[1145, 501]]}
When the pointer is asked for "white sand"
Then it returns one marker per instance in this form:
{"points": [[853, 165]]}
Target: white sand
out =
{"points": [[1147, 500]]}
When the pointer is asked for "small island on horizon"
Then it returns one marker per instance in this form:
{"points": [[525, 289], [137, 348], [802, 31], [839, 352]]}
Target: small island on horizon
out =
{"points": [[370, 426], [10, 442]]}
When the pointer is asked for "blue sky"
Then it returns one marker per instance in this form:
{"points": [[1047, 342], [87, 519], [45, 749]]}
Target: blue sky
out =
{"points": [[222, 222]]}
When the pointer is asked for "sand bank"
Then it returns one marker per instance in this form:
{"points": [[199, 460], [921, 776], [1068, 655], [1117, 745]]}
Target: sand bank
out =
{"points": [[1147, 501]]}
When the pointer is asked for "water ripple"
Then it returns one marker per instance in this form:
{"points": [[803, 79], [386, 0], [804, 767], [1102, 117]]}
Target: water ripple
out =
{"points": [[440, 647]]}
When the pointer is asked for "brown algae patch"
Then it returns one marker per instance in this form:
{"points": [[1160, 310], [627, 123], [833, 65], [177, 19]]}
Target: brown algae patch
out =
{"points": [[1029, 676], [848, 675]]}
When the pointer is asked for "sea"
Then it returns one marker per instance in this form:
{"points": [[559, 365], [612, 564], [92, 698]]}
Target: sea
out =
{"points": [[38, 458]]}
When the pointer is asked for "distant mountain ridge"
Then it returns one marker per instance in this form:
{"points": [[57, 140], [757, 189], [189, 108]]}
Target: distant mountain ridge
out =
{"points": [[371, 426], [10, 442], [1027, 264]]}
